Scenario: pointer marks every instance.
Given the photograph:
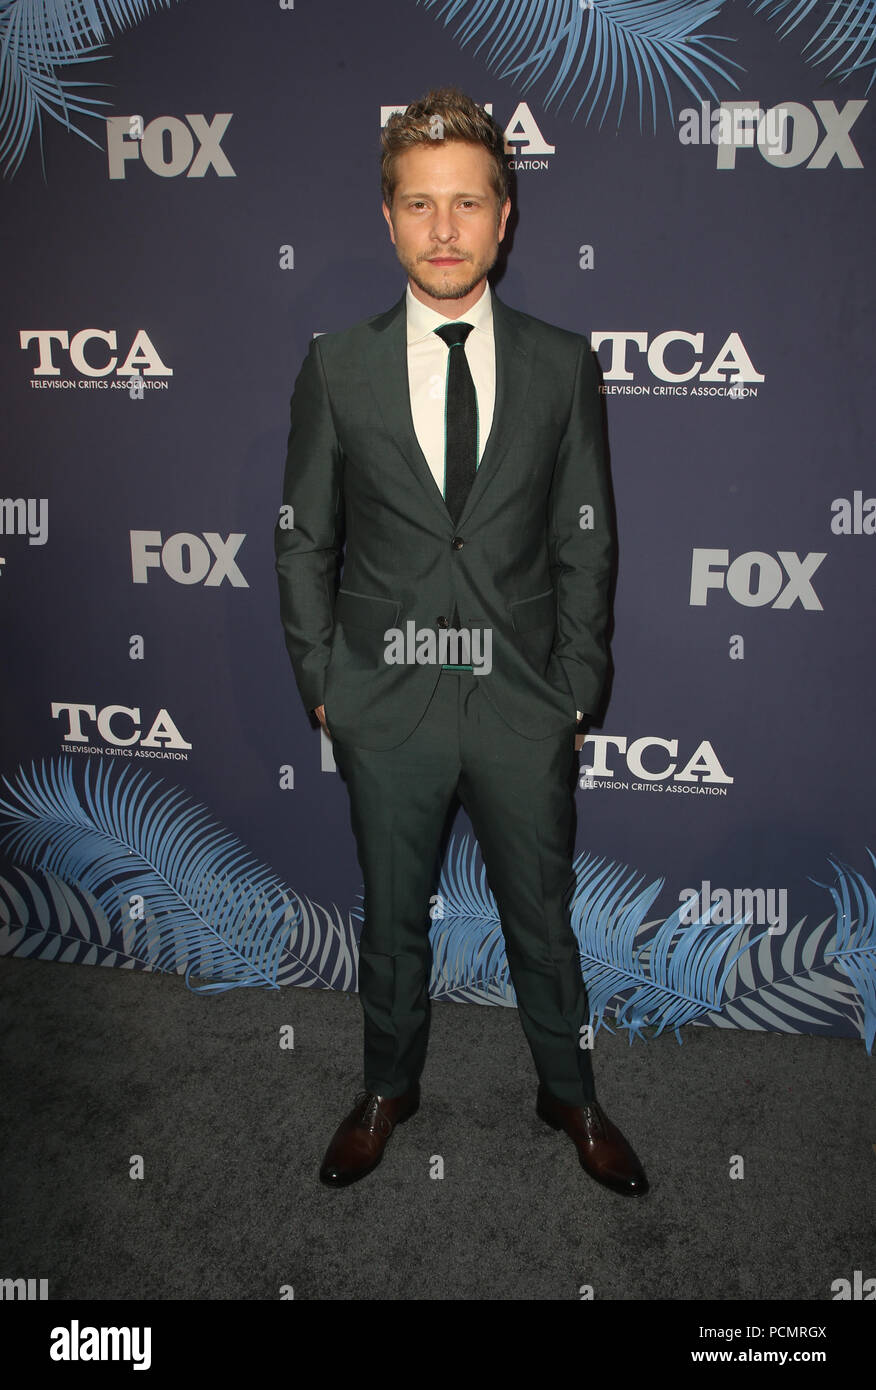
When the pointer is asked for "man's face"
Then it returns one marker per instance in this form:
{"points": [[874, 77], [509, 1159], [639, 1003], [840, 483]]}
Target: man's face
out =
{"points": [[445, 224]]}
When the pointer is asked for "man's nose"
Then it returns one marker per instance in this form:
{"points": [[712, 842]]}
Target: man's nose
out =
{"points": [[443, 226]]}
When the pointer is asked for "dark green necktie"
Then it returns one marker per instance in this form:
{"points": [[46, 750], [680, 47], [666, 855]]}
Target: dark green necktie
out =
{"points": [[460, 420]]}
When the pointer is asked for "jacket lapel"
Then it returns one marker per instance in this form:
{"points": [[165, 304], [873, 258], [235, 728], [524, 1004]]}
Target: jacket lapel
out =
{"points": [[513, 372], [388, 371]]}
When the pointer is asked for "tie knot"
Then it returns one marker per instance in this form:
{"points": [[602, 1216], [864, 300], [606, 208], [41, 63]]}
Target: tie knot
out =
{"points": [[454, 333]]}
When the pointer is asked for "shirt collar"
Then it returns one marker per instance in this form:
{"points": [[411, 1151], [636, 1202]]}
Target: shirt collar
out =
{"points": [[422, 320]]}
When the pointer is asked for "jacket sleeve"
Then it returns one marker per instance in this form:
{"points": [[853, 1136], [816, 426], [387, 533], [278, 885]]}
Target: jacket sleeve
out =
{"points": [[582, 547], [308, 533]]}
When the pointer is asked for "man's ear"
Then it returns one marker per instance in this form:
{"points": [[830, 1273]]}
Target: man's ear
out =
{"points": [[388, 215], [503, 218]]}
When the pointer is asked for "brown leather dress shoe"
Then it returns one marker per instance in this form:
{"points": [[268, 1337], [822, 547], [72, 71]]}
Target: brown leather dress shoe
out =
{"points": [[603, 1152], [358, 1143]]}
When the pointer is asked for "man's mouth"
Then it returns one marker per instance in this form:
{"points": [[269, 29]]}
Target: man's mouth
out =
{"points": [[445, 260]]}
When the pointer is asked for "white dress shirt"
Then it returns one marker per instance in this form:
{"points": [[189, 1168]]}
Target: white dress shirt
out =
{"points": [[427, 373]]}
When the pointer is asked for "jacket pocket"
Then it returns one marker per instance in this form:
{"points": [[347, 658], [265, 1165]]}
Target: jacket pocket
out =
{"points": [[530, 613], [364, 610], [360, 623]]}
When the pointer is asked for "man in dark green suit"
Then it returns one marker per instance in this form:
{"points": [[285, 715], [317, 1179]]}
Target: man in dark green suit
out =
{"points": [[455, 447]]}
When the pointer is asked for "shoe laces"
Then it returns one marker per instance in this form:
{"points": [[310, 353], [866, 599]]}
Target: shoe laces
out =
{"points": [[595, 1121], [372, 1116]]}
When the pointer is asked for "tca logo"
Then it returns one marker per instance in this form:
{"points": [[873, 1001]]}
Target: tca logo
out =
{"points": [[163, 733], [755, 578], [702, 766], [186, 559], [522, 134], [142, 357], [732, 356], [166, 145]]}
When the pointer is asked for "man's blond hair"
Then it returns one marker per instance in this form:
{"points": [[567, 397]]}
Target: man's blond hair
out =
{"points": [[443, 114]]}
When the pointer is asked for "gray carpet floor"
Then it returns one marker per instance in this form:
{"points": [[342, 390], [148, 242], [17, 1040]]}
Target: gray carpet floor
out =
{"points": [[100, 1065]]}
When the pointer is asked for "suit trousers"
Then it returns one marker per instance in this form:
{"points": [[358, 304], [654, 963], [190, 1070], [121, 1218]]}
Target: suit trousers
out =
{"points": [[519, 796]]}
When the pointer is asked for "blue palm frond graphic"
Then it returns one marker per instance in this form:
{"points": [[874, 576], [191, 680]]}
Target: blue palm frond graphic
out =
{"points": [[180, 887], [51, 920], [855, 951], [613, 42], [38, 39], [468, 948], [674, 980], [469, 964], [847, 30], [662, 973], [677, 974], [325, 950], [793, 989], [207, 908]]}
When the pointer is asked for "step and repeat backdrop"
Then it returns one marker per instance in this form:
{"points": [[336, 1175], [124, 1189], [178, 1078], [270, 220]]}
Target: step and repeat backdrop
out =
{"points": [[191, 192]]}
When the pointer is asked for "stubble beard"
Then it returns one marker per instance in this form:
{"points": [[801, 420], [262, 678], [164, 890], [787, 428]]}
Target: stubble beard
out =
{"points": [[447, 289]]}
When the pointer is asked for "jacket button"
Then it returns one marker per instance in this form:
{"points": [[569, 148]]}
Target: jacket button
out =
{"points": [[457, 543], [442, 622]]}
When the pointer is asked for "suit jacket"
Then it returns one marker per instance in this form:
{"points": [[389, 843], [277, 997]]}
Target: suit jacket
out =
{"points": [[518, 563]]}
